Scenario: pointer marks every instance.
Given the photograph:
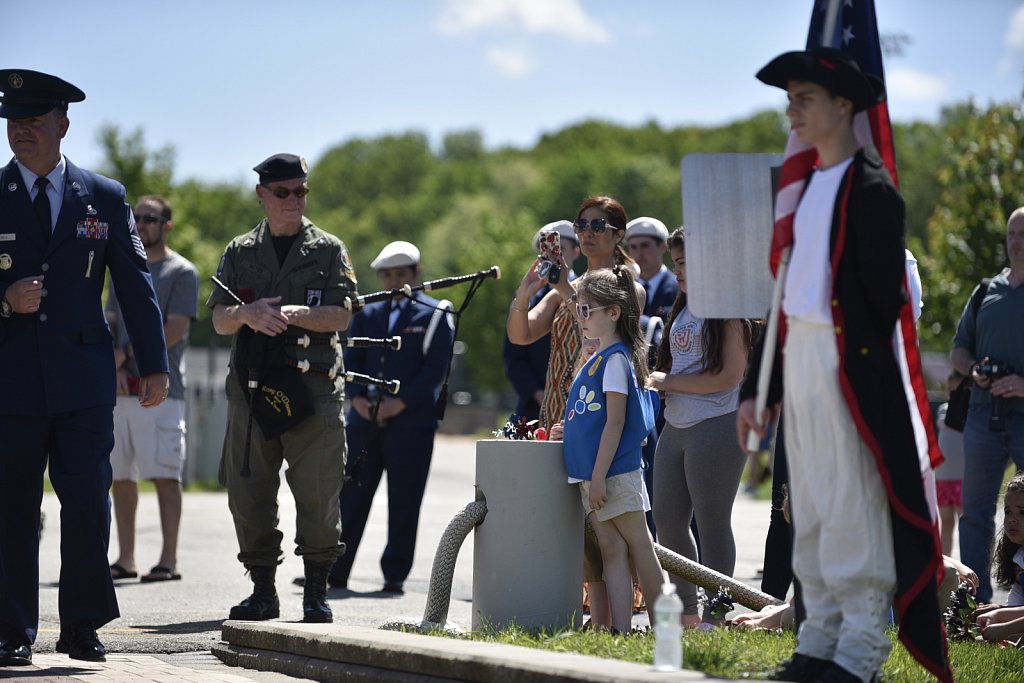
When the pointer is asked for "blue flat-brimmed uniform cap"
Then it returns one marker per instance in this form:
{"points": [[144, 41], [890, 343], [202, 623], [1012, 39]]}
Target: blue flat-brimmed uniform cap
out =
{"points": [[29, 93]]}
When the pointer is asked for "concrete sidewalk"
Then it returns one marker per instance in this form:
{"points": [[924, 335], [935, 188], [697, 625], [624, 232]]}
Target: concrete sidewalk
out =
{"points": [[334, 654]]}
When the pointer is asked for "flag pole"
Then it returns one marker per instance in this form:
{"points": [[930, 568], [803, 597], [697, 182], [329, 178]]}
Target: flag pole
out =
{"points": [[771, 333], [771, 336]]}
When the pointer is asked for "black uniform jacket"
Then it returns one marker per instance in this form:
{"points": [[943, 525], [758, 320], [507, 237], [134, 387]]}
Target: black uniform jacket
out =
{"points": [[61, 358]]}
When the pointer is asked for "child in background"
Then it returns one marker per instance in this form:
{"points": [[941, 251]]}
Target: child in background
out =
{"points": [[1007, 622], [949, 477], [592, 554], [1009, 555], [608, 415]]}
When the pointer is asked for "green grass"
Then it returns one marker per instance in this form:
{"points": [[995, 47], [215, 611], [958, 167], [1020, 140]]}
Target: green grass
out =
{"points": [[732, 653]]}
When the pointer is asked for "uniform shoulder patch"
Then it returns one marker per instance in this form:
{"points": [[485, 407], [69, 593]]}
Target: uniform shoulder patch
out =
{"points": [[346, 264], [137, 243]]}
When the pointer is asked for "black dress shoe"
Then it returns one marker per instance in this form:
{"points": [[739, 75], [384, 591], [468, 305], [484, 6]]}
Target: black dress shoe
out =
{"points": [[13, 654], [837, 674], [393, 587], [799, 668], [81, 642]]}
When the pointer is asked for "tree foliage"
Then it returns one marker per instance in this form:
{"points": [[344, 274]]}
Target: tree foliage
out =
{"points": [[981, 176], [467, 207]]}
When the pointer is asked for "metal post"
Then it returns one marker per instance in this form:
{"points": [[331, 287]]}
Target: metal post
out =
{"points": [[528, 551]]}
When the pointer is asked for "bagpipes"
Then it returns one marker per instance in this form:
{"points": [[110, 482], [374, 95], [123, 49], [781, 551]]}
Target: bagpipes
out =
{"points": [[393, 386], [359, 302], [305, 341], [355, 305], [278, 399]]}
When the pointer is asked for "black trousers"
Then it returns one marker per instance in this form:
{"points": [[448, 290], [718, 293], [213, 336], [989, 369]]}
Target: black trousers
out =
{"points": [[77, 447], [405, 454]]}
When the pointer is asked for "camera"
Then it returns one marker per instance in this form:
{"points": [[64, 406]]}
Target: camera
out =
{"points": [[993, 370], [550, 246]]}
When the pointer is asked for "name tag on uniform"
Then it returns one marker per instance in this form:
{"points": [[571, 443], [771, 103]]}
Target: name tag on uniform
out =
{"points": [[7, 237], [92, 229]]}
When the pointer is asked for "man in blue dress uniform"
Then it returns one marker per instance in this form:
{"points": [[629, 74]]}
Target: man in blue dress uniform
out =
{"points": [[647, 239], [61, 229], [402, 440]]}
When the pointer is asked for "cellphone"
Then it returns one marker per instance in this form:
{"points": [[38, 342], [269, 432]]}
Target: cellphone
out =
{"points": [[550, 255]]}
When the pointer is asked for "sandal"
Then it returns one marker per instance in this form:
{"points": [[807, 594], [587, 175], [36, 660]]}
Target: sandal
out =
{"points": [[160, 573], [117, 572], [639, 604]]}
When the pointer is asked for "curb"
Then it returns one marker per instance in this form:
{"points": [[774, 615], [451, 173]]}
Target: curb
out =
{"points": [[334, 653]]}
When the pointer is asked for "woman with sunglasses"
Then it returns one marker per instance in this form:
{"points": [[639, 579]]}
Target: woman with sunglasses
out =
{"points": [[600, 225], [699, 367]]}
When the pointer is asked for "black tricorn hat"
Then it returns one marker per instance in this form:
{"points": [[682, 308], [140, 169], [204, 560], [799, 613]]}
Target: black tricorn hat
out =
{"points": [[281, 167], [31, 93], [832, 69]]}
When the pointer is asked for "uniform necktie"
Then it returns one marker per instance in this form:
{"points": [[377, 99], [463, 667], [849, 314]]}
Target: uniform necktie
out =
{"points": [[42, 206], [393, 318]]}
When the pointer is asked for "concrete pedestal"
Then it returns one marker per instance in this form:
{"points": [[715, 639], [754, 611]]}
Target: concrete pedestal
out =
{"points": [[528, 551]]}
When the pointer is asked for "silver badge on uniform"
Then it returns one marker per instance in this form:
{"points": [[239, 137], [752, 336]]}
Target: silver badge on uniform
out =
{"points": [[6, 261], [314, 297], [12, 186]]}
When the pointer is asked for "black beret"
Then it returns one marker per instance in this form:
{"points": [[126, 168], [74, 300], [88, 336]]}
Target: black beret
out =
{"points": [[281, 167], [832, 69], [31, 93]]}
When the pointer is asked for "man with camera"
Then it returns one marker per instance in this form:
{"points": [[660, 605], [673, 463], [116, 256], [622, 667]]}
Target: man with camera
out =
{"points": [[989, 348]]}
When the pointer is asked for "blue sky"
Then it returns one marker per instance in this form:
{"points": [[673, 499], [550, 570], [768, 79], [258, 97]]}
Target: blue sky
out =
{"points": [[229, 82]]}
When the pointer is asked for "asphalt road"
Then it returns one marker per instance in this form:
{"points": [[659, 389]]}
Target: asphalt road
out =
{"points": [[185, 616]]}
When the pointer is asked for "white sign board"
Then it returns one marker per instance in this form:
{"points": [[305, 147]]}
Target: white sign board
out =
{"points": [[727, 212]]}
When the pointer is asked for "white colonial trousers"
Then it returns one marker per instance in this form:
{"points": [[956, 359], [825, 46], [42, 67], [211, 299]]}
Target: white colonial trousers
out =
{"points": [[842, 549]]}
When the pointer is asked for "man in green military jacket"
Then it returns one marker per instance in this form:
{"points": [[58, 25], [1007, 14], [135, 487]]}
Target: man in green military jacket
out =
{"points": [[292, 279]]}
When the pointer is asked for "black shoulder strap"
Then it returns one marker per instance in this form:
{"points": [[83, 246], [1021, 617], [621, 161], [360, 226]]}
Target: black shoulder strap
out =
{"points": [[979, 296]]}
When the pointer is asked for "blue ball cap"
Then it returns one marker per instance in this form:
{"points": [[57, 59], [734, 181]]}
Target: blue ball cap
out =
{"points": [[31, 93]]}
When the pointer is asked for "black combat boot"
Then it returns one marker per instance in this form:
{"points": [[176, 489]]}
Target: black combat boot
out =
{"points": [[314, 593], [263, 603]]}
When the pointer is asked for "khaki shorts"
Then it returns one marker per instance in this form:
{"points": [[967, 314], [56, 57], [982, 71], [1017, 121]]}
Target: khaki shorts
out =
{"points": [[149, 443], [624, 493]]}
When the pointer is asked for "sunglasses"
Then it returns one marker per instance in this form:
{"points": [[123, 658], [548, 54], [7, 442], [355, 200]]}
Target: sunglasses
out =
{"points": [[283, 192], [596, 226], [583, 311], [149, 218]]}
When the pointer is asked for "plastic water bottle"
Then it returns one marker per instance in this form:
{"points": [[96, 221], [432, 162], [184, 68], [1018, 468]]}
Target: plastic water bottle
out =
{"points": [[668, 629]]}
